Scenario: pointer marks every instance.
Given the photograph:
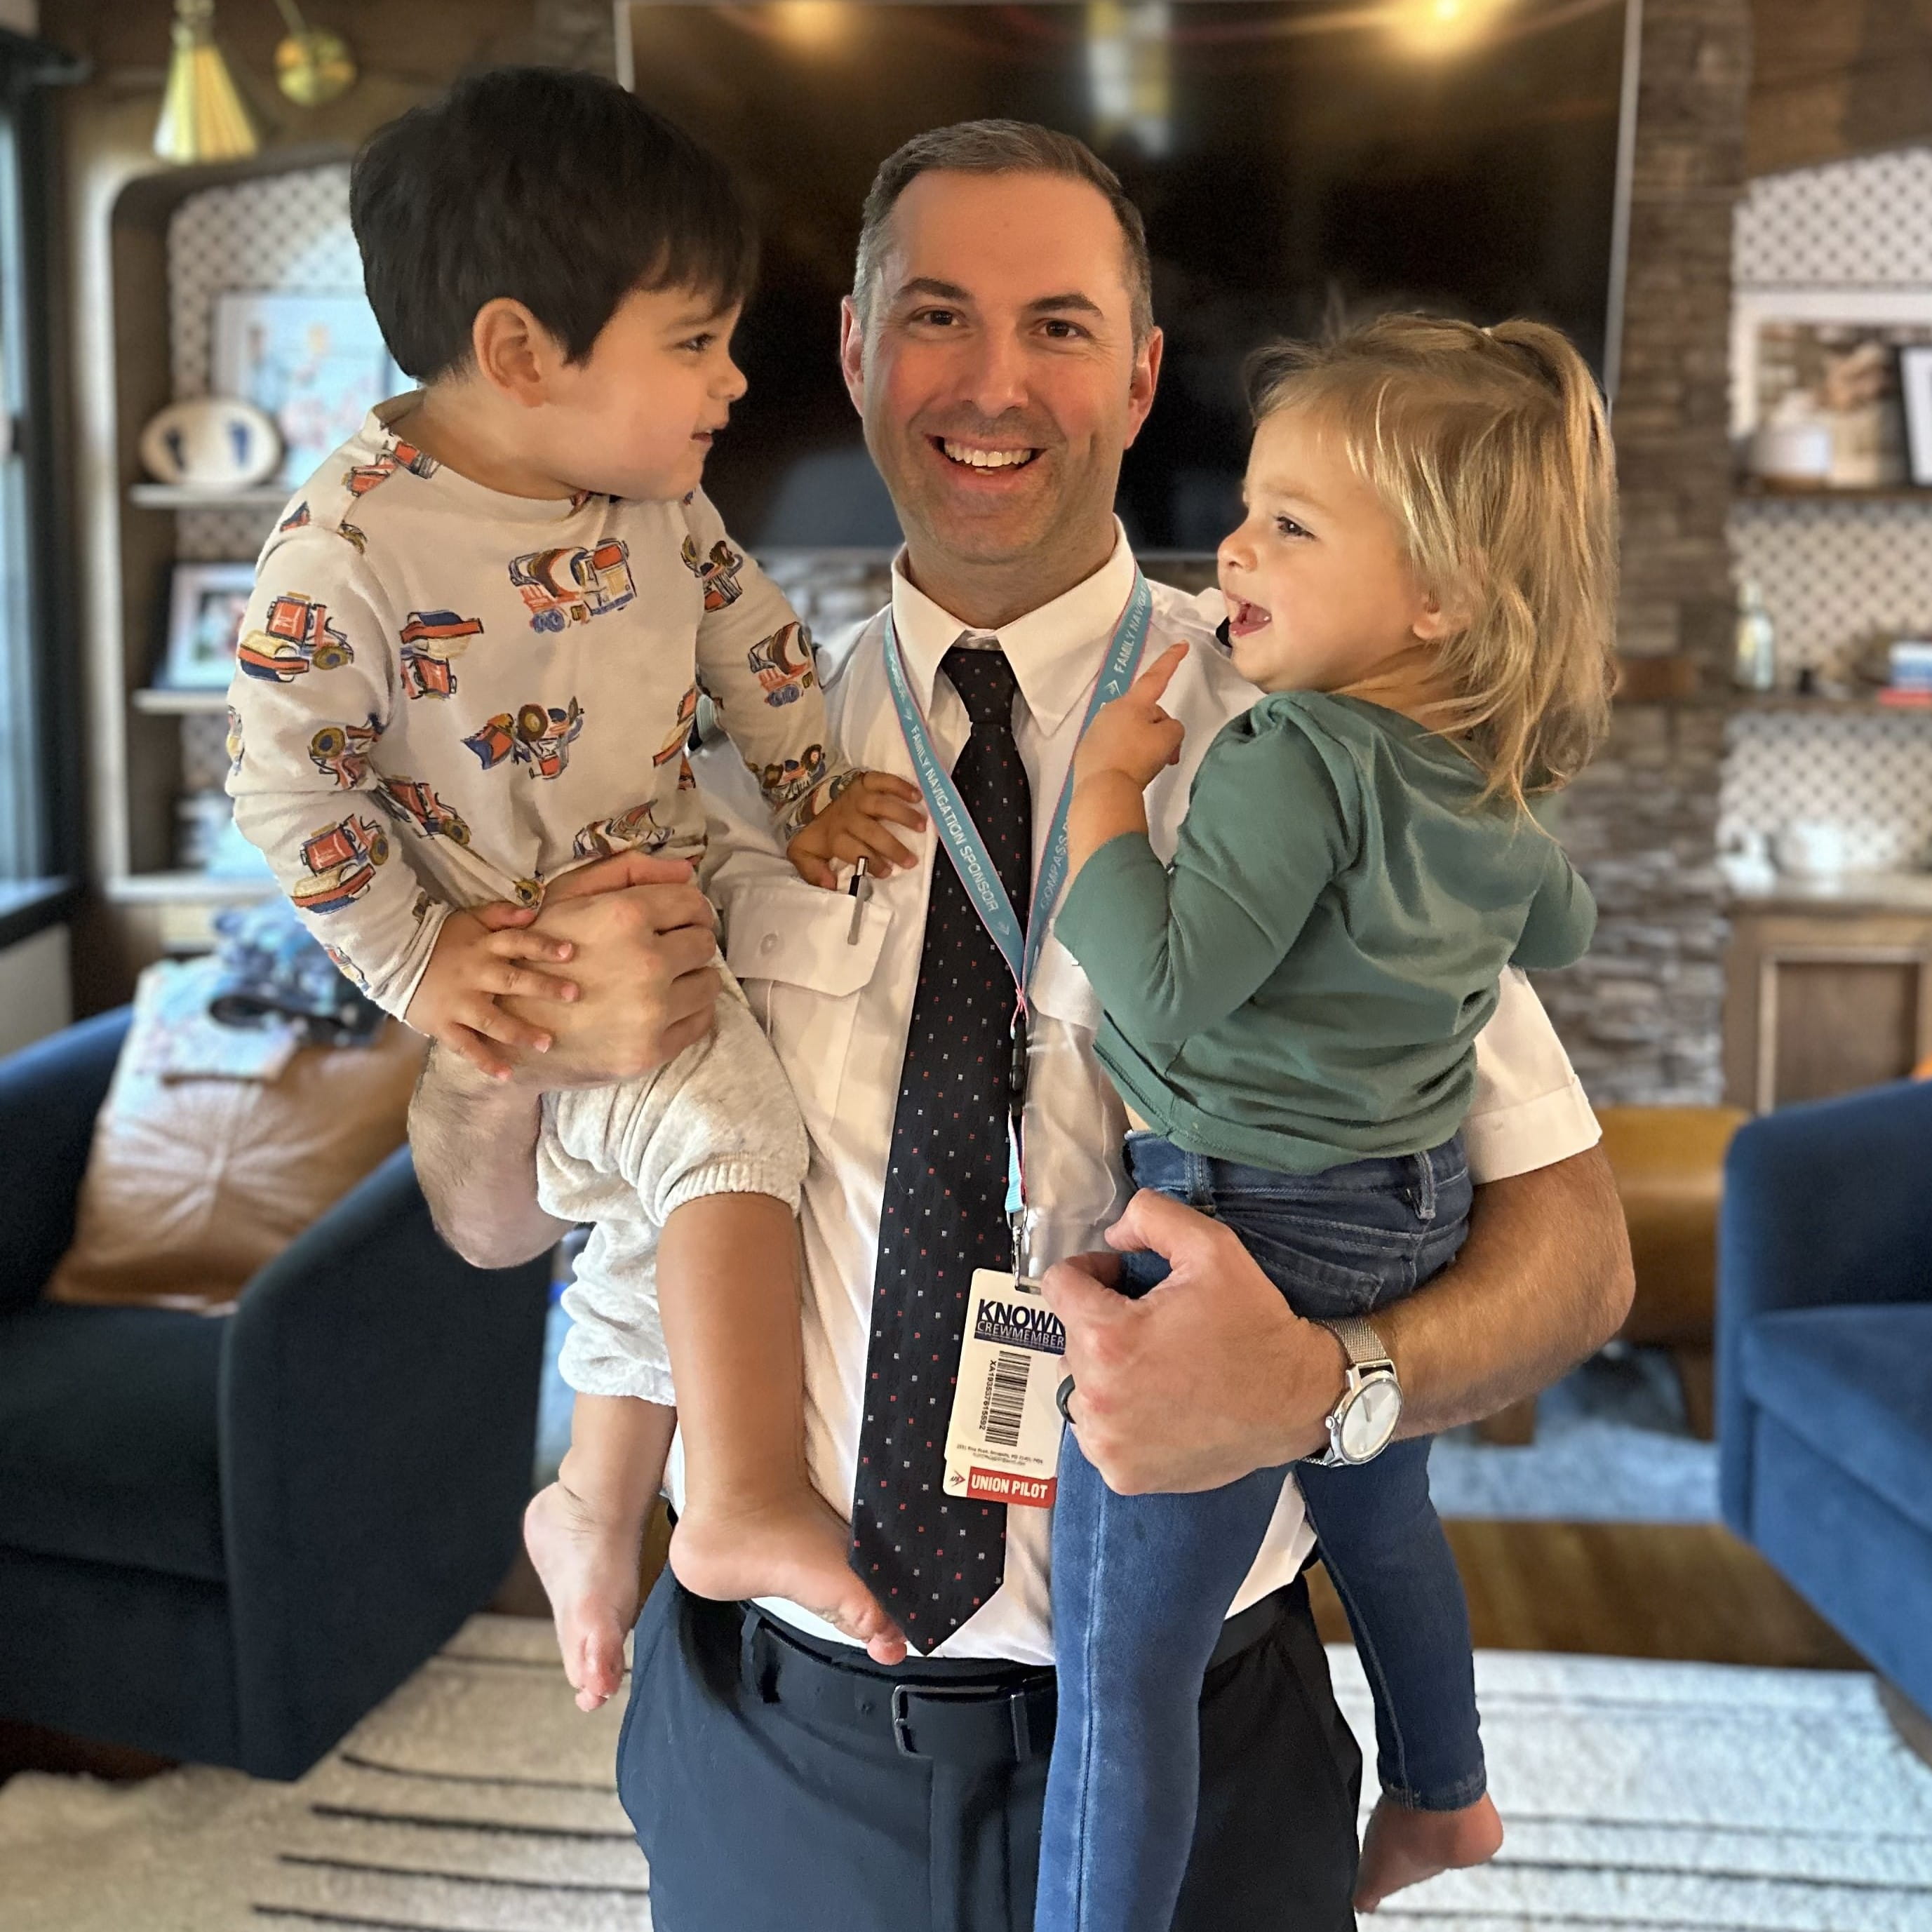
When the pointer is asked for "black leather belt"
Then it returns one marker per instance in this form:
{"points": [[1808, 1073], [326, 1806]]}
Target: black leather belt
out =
{"points": [[971, 1715]]}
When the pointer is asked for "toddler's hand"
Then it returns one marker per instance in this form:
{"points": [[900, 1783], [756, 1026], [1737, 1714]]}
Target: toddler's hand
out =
{"points": [[455, 1001], [1133, 735], [855, 825]]}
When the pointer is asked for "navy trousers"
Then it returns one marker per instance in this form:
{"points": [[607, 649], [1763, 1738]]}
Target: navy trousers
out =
{"points": [[761, 1816]]}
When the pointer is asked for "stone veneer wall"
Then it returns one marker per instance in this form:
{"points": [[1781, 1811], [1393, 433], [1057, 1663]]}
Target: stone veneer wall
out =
{"points": [[1641, 1016]]}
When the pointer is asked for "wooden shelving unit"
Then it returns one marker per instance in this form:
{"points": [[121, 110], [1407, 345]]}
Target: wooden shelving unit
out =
{"points": [[157, 704], [122, 202], [1751, 490], [1796, 701], [177, 496], [170, 888]]}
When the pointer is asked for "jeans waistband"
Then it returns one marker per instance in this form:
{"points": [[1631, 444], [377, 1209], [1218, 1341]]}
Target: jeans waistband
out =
{"points": [[1153, 1162], [972, 1714]]}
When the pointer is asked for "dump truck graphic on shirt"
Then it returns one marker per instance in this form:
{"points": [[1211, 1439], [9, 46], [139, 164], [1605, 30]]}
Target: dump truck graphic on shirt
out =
{"points": [[343, 859], [536, 736], [347, 967], [680, 734], [295, 637], [786, 781], [341, 752], [571, 585], [782, 664], [636, 830], [410, 799], [429, 640], [717, 571], [364, 477]]}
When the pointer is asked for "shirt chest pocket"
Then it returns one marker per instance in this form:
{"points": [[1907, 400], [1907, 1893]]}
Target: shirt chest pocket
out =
{"points": [[1061, 990], [791, 947]]}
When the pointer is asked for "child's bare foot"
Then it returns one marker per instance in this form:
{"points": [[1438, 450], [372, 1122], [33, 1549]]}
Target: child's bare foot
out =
{"points": [[588, 1568], [1402, 1847], [793, 1547]]}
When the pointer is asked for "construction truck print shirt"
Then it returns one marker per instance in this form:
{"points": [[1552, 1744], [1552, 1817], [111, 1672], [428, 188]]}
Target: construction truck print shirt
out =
{"points": [[444, 696]]}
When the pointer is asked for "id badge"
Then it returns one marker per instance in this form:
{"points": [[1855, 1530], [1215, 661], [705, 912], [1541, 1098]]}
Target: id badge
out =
{"points": [[1004, 1444]]}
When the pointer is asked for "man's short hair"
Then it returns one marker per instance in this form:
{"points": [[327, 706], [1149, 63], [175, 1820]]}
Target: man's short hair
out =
{"points": [[559, 189], [1002, 148]]}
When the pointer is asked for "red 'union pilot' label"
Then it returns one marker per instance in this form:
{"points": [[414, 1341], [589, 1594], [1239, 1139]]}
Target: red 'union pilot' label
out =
{"points": [[1002, 1486]]}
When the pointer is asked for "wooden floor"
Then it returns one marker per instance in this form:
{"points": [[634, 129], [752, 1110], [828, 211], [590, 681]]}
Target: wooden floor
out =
{"points": [[1685, 1590], [1688, 1591]]}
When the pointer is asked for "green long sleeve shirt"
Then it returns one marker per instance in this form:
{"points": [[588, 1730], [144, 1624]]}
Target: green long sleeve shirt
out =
{"points": [[1303, 986]]}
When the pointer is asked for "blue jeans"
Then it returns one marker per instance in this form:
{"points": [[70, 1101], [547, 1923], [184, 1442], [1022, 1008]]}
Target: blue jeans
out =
{"points": [[1141, 1584]]}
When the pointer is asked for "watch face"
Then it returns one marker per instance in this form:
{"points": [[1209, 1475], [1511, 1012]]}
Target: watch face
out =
{"points": [[1369, 1420]]}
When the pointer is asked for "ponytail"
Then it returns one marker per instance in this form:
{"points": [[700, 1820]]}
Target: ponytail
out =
{"points": [[1491, 449]]}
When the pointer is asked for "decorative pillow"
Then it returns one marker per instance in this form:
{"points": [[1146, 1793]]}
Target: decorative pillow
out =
{"points": [[192, 1184]]}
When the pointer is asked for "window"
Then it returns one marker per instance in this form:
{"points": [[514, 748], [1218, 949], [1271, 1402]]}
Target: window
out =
{"points": [[39, 802]]}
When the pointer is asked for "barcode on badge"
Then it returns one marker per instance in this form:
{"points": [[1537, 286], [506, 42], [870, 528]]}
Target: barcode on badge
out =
{"points": [[1005, 1401]]}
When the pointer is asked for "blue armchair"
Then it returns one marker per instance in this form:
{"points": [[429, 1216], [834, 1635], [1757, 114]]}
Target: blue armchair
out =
{"points": [[227, 1538], [1824, 1363]]}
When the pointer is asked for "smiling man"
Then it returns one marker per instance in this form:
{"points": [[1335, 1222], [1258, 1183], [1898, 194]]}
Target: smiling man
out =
{"points": [[999, 344]]}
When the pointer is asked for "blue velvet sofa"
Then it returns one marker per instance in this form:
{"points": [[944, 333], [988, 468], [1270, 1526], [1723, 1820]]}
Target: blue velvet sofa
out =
{"points": [[225, 1538], [1824, 1363]]}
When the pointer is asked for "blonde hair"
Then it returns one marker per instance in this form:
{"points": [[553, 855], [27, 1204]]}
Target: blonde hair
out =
{"points": [[1490, 448]]}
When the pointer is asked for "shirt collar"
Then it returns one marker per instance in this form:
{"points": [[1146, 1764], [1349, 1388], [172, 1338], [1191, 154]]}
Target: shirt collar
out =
{"points": [[1055, 651]]}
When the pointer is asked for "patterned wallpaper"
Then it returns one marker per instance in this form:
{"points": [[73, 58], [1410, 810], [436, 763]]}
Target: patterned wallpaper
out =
{"points": [[289, 231], [1869, 775], [1832, 573]]}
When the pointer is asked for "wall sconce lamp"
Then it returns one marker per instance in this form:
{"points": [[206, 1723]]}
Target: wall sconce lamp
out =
{"points": [[202, 115]]}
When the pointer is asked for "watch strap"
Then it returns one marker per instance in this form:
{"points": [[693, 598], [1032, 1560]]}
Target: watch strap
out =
{"points": [[1360, 1343]]}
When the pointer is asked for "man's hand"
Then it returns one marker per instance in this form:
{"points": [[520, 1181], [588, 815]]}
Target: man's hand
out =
{"points": [[857, 825], [1207, 1378], [1133, 736], [474, 961], [642, 940]]}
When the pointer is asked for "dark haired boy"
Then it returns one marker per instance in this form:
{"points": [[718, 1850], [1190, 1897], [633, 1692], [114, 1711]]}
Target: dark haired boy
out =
{"points": [[475, 646]]}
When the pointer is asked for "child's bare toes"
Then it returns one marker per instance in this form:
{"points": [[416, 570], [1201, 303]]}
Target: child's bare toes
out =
{"points": [[883, 1638], [858, 1615], [604, 1663], [588, 1570]]}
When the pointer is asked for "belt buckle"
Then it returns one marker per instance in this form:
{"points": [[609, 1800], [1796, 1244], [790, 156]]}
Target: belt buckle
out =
{"points": [[903, 1694]]}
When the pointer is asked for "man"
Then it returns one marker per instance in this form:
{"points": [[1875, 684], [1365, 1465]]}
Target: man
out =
{"points": [[999, 347]]}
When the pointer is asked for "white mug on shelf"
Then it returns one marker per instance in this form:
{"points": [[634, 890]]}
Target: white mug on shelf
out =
{"points": [[1793, 452], [1810, 848]]}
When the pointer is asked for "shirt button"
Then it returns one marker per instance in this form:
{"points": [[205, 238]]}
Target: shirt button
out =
{"points": [[768, 945]]}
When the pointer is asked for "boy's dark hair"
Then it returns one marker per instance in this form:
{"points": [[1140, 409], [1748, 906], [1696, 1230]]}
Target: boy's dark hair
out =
{"points": [[556, 188]]}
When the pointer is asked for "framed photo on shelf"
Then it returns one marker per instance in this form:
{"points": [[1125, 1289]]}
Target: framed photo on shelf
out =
{"points": [[1816, 388], [206, 608], [314, 360]]}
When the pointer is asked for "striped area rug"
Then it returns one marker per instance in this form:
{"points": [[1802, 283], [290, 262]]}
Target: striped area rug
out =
{"points": [[1638, 1797], [478, 1798], [1647, 1797]]}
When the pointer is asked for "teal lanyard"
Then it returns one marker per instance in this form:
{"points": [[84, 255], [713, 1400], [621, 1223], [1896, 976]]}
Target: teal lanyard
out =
{"points": [[968, 851]]}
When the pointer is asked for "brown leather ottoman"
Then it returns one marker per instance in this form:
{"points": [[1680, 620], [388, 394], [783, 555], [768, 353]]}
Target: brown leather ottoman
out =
{"points": [[1670, 1166]]}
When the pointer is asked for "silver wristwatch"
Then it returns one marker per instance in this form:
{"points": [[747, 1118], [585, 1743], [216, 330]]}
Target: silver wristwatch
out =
{"points": [[1362, 1424]]}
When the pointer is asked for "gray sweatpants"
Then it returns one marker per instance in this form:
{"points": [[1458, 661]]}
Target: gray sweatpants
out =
{"points": [[719, 1119]]}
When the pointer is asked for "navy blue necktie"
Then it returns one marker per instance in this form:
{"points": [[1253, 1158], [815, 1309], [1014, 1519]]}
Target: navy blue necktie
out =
{"points": [[933, 1559]]}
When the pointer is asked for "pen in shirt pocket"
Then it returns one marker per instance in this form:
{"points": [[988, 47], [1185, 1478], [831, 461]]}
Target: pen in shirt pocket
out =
{"points": [[860, 888]]}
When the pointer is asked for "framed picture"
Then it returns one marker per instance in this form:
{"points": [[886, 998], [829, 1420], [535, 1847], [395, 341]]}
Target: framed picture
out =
{"points": [[205, 613], [1914, 382], [316, 362], [1815, 381]]}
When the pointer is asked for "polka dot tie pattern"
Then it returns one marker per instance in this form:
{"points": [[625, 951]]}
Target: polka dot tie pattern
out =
{"points": [[934, 1560]]}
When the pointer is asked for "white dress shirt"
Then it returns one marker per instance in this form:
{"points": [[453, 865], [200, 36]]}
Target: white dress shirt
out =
{"points": [[837, 1012]]}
